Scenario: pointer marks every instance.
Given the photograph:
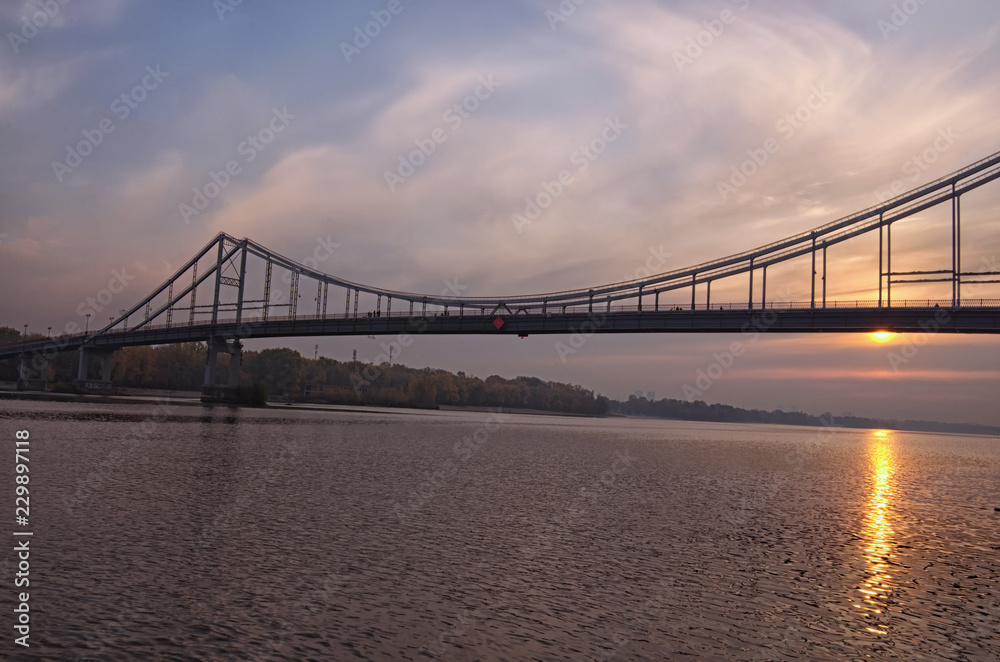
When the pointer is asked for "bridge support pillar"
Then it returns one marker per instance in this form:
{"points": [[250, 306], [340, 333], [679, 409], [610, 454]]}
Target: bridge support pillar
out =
{"points": [[102, 385], [212, 392], [25, 380], [86, 355], [235, 363], [210, 363]]}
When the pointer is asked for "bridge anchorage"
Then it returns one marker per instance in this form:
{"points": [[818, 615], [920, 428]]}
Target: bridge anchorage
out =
{"points": [[234, 289]]}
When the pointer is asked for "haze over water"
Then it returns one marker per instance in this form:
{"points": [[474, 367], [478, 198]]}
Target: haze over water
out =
{"points": [[284, 534]]}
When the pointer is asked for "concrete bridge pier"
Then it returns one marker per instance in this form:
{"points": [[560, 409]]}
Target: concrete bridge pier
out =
{"points": [[25, 380], [212, 392], [102, 385]]}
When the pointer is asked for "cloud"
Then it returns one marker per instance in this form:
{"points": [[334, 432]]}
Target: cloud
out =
{"points": [[863, 374], [63, 14], [458, 206], [25, 87], [142, 194], [655, 188]]}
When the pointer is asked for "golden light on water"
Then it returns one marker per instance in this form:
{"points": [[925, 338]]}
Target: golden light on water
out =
{"points": [[881, 336], [877, 532]]}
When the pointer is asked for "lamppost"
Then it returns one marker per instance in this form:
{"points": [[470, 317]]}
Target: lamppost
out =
{"points": [[120, 313], [24, 342], [87, 330], [50, 332]]}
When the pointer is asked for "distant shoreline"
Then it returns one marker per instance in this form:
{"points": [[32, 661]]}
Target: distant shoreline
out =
{"points": [[192, 399]]}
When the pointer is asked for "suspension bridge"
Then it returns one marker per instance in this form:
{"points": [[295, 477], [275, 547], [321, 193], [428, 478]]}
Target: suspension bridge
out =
{"points": [[228, 293]]}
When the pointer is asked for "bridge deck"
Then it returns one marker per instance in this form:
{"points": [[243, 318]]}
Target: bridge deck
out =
{"points": [[827, 320]]}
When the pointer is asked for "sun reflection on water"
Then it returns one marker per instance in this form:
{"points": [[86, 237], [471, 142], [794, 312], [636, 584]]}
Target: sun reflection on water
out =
{"points": [[877, 532]]}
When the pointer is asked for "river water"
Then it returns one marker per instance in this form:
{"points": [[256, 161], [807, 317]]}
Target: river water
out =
{"points": [[195, 533]]}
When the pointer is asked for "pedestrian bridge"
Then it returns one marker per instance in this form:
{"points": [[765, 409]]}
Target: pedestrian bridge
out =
{"points": [[228, 293]]}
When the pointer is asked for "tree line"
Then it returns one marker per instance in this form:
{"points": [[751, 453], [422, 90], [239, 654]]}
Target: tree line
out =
{"points": [[287, 374], [699, 410]]}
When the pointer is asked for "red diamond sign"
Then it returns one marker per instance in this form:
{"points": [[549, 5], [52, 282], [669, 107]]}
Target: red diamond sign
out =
{"points": [[498, 322]]}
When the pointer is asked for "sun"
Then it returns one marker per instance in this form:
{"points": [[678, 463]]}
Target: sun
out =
{"points": [[881, 336]]}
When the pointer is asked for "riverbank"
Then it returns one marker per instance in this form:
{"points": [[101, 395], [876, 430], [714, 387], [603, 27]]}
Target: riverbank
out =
{"points": [[193, 399]]}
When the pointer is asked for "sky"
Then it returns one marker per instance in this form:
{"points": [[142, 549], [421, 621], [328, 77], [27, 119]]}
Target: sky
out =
{"points": [[413, 136]]}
